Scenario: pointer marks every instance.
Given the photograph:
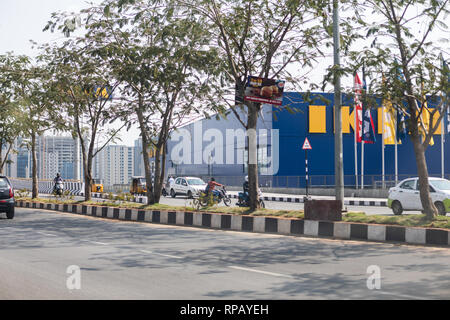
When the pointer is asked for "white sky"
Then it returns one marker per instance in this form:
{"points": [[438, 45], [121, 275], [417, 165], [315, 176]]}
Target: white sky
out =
{"points": [[23, 20]]}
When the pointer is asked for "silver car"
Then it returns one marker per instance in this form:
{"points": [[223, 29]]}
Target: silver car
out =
{"points": [[406, 195]]}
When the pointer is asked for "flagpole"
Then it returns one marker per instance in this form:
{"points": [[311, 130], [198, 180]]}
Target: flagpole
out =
{"points": [[382, 146], [396, 150], [356, 149], [362, 164], [442, 148]]}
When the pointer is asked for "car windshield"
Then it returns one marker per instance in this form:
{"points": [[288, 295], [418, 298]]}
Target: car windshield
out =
{"points": [[440, 184], [3, 183], [195, 182]]}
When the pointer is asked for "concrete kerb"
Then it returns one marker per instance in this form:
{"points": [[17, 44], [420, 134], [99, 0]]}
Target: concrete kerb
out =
{"points": [[260, 224]]}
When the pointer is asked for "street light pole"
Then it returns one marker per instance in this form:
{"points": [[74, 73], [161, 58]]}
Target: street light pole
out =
{"points": [[338, 156]]}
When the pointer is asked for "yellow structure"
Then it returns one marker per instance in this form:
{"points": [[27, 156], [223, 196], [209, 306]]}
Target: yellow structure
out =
{"points": [[138, 185], [97, 185]]}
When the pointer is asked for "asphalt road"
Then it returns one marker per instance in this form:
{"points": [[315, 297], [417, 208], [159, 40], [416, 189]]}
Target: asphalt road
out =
{"points": [[129, 260]]}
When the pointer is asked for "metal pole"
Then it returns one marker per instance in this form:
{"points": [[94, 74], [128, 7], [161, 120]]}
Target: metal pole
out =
{"points": [[382, 146], [442, 148], [396, 148], [362, 165], [356, 150], [306, 171], [338, 156]]}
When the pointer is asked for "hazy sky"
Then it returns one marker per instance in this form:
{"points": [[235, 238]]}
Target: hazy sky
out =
{"points": [[23, 20]]}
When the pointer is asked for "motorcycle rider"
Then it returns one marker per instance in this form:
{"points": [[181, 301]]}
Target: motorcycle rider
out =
{"points": [[246, 188], [210, 187], [57, 179]]}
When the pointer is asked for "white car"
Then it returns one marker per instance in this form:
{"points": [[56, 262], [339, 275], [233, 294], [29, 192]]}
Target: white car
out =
{"points": [[189, 186], [406, 196]]}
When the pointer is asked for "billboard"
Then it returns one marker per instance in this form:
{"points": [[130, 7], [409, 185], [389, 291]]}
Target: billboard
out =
{"points": [[264, 90]]}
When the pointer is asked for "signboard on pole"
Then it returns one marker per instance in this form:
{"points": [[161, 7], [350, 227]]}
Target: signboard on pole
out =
{"points": [[264, 90], [306, 145]]}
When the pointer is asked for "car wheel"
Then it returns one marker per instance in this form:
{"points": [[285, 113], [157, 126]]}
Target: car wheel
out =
{"points": [[189, 194], [397, 208], [172, 193], [10, 213], [441, 208]]}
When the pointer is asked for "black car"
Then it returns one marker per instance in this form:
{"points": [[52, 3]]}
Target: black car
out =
{"points": [[7, 202]]}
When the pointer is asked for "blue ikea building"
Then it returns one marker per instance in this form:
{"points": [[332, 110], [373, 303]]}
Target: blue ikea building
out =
{"points": [[281, 133]]}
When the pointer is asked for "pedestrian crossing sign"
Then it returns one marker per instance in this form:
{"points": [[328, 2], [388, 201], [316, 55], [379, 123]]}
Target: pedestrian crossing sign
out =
{"points": [[306, 145]]}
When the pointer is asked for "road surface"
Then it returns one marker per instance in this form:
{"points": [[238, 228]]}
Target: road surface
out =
{"points": [[130, 260]]}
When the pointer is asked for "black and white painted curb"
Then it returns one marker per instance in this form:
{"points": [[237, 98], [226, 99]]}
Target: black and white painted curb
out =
{"points": [[381, 203], [75, 188], [274, 225]]}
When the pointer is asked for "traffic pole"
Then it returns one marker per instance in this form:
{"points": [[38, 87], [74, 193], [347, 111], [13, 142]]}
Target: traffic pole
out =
{"points": [[306, 171]]}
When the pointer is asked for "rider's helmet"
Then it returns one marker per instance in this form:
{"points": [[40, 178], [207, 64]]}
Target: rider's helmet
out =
{"points": [[58, 175], [212, 179], [246, 178]]}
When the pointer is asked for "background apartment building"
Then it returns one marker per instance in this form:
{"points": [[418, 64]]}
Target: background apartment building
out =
{"points": [[59, 154], [114, 164]]}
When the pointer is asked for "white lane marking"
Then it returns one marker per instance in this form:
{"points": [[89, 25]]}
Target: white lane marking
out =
{"points": [[400, 295], [47, 234], [96, 242], [161, 254], [260, 271]]}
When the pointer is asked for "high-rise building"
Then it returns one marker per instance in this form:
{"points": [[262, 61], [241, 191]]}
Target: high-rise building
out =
{"points": [[59, 154], [138, 158], [114, 164]]}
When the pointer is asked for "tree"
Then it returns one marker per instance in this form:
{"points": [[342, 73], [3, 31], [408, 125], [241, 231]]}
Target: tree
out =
{"points": [[9, 112], [33, 113], [260, 38], [82, 90], [161, 60], [406, 57]]}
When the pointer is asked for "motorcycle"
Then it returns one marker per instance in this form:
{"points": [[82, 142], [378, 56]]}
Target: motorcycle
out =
{"points": [[204, 199], [243, 199], [59, 188]]}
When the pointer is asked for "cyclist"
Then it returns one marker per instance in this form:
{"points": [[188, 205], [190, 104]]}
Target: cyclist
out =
{"points": [[210, 187]]}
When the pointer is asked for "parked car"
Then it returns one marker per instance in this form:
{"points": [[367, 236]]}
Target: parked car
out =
{"points": [[406, 196], [189, 186], [7, 202]]}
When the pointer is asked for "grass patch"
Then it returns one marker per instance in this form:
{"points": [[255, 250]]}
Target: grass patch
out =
{"points": [[408, 220]]}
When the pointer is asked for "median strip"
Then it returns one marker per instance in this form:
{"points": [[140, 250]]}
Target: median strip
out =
{"points": [[407, 229]]}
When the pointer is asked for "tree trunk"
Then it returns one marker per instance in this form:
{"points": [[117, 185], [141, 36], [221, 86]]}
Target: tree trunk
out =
{"points": [[148, 173], [34, 183], [422, 171], [157, 182], [1, 158], [87, 180], [252, 155]]}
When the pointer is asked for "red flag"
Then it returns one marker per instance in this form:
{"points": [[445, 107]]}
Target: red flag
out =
{"points": [[358, 107]]}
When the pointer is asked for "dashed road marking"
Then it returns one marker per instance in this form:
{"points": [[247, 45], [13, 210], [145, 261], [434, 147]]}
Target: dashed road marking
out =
{"points": [[260, 271], [161, 254]]}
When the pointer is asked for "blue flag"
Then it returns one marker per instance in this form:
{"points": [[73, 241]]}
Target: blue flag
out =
{"points": [[401, 125], [368, 128]]}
